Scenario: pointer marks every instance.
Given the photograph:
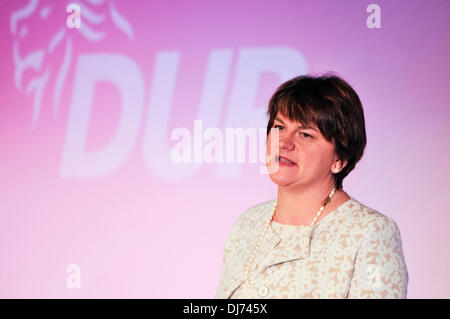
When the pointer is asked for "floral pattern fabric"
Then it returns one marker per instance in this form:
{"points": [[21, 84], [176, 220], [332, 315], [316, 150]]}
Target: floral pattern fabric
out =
{"points": [[353, 252]]}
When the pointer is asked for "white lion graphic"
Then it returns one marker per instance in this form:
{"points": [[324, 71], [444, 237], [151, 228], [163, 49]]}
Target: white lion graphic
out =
{"points": [[39, 61]]}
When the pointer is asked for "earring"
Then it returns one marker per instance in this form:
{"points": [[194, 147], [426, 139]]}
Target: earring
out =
{"points": [[336, 170]]}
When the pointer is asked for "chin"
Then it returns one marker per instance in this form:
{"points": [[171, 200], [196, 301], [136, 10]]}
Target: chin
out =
{"points": [[281, 180]]}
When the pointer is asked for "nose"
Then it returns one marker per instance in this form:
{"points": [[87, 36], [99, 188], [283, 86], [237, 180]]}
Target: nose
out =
{"points": [[286, 143]]}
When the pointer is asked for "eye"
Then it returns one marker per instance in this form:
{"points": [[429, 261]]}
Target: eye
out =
{"points": [[278, 126], [306, 135]]}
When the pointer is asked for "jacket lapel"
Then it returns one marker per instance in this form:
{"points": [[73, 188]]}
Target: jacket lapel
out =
{"points": [[283, 249], [244, 253], [277, 249]]}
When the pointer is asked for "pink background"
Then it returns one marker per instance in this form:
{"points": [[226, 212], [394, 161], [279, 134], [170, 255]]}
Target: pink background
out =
{"points": [[148, 229]]}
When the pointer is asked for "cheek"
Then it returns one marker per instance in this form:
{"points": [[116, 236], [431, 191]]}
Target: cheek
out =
{"points": [[319, 159], [268, 145], [271, 148]]}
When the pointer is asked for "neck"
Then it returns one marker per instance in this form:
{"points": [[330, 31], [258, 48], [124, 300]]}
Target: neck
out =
{"points": [[299, 206]]}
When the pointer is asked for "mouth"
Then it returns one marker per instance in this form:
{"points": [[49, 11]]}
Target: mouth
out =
{"points": [[284, 161]]}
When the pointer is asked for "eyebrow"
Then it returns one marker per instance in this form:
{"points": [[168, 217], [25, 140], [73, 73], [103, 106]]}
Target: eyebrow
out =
{"points": [[306, 127]]}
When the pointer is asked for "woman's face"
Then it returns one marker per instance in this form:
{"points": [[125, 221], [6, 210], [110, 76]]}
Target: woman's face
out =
{"points": [[312, 156]]}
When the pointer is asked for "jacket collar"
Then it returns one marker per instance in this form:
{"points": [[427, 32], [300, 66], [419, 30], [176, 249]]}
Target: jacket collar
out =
{"points": [[283, 247], [278, 248]]}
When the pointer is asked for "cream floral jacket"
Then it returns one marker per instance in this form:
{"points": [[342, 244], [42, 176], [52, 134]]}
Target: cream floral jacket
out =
{"points": [[353, 252]]}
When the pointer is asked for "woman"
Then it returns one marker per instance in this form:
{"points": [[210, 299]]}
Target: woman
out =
{"points": [[314, 240]]}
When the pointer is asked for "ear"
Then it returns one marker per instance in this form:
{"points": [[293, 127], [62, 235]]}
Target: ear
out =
{"points": [[338, 166]]}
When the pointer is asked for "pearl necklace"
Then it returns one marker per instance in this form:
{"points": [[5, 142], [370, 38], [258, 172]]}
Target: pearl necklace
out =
{"points": [[247, 267]]}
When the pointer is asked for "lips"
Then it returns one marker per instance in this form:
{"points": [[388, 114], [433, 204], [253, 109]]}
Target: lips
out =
{"points": [[285, 160]]}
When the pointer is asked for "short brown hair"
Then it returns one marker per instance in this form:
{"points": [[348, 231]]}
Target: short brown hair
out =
{"points": [[333, 106]]}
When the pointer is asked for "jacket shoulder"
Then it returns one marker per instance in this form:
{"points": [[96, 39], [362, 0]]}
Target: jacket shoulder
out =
{"points": [[369, 220], [251, 217]]}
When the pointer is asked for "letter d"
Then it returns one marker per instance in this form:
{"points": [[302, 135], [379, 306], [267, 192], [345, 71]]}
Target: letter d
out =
{"points": [[92, 68]]}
